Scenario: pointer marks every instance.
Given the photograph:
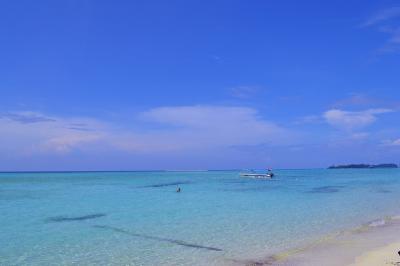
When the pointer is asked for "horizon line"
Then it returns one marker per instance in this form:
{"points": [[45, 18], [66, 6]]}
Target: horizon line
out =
{"points": [[154, 170]]}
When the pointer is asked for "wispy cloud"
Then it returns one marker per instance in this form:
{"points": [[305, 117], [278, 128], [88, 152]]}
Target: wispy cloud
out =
{"points": [[356, 100], [359, 135], [309, 119], [26, 117], [214, 126], [217, 59], [382, 15], [30, 132], [350, 120], [244, 92], [387, 21], [68, 142], [178, 129], [393, 142], [393, 43]]}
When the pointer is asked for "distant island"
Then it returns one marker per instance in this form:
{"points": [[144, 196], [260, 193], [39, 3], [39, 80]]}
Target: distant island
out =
{"points": [[346, 166]]}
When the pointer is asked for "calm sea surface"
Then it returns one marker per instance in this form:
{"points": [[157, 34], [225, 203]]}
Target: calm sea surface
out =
{"points": [[137, 218]]}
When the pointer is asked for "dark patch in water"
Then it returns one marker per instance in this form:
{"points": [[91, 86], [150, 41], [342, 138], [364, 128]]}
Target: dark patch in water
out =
{"points": [[268, 261], [257, 263], [10, 194], [246, 189], [77, 218], [235, 181], [325, 189], [102, 184], [173, 241], [382, 190], [167, 184], [251, 187]]}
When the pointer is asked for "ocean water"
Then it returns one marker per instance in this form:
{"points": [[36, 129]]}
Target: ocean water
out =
{"points": [[219, 218]]}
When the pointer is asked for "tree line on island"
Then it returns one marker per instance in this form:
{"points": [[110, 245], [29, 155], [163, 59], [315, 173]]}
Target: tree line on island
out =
{"points": [[369, 166]]}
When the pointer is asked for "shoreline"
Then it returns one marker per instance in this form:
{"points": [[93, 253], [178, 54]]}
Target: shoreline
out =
{"points": [[375, 243]]}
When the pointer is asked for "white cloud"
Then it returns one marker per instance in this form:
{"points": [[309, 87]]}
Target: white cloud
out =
{"points": [[244, 92], [213, 126], [309, 119], [359, 135], [352, 120], [356, 100], [26, 117], [181, 128], [68, 142], [395, 142], [32, 132]]}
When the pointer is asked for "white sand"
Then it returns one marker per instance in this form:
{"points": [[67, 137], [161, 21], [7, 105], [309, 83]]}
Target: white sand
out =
{"points": [[386, 255], [367, 245]]}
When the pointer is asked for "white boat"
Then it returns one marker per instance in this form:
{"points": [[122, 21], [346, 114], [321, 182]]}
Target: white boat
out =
{"points": [[255, 175]]}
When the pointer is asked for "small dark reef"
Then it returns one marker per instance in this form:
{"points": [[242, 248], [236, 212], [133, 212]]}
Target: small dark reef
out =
{"points": [[325, 189], [162, 239], [75, 218], [363, 166], [167, 184]]}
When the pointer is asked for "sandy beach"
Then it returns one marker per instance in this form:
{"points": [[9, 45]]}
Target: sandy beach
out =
{"points": [[386, 255], [372, 244]]}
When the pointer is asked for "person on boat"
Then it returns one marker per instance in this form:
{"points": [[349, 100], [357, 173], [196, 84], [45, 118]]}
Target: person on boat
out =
{"points": [[270, 172], [178, 190]]}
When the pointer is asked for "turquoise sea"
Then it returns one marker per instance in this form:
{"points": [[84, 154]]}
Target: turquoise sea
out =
{"points": [[219, 218]]}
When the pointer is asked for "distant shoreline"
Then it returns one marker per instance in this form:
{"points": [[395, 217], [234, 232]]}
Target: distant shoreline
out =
{"points": [[363, 166], [350, 166]]}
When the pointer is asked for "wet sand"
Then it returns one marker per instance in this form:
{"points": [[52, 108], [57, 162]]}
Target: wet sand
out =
{"points": [[373, 244]]}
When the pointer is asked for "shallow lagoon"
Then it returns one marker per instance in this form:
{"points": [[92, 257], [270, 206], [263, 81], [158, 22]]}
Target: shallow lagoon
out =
{"points": [[137, 218]]}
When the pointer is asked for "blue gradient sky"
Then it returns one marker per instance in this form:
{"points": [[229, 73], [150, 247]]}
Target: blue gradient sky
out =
{"points": [[121, 85]]}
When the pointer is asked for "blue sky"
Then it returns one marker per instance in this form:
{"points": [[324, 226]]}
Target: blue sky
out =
{"points": [[128, 85]]}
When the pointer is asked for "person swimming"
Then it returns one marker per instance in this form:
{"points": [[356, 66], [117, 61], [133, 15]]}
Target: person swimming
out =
{"points": [[178, 190]]}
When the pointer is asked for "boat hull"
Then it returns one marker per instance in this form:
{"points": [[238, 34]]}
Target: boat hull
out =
{"points": [[264, 176]]}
